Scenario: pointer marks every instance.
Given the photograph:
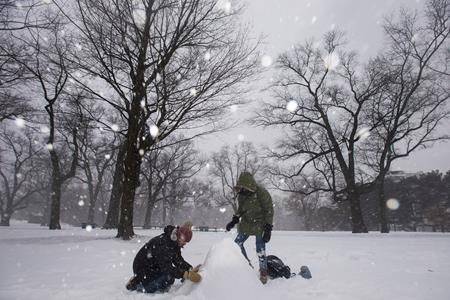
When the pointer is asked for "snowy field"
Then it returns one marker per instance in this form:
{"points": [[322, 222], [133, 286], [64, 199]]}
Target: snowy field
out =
{"points": [[36, 263]]}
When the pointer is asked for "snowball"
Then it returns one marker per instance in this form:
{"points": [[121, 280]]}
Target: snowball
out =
{"points": [[331, 61], [49, 146], [266, 60], [292, 106], [20, 122], [81, 203], [141, 152], [392, 204], [154, 131], [88, 228]]}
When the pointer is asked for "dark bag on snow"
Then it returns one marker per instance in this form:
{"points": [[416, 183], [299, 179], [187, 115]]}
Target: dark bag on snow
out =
{"points": [[276, 268]]}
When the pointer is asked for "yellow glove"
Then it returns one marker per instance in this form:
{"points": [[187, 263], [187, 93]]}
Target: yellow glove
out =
{"points": [[192, 276]]}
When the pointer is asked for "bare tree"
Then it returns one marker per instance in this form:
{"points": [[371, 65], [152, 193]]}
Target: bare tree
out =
{"points": [[97, 152], [17, 172], [415, 100], [48, 65], [147, 53], [228, 164]]}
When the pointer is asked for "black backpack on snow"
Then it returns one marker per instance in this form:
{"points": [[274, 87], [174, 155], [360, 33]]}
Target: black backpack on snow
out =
{"points": [[276, 268]]}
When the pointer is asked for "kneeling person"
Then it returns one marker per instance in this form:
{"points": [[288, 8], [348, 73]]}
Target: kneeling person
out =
{"points": [[159, 262]]}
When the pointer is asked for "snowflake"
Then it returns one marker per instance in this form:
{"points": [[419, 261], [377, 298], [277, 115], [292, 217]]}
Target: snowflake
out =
{"points": [[233, 108], [223, 209], [107, 156], [193, 92], [154, 131], [392, 204], [115, 127], [241, 137], [49, 147], [331, 61], [208, 55], [313, 20], [141, 152], [363, 133], [266, 60], [292, 106], [224, 5], [20, 122], [88, 228], [45, 129]]}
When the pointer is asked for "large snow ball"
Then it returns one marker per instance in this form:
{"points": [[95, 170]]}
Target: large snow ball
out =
{"points": [[226, 275]]}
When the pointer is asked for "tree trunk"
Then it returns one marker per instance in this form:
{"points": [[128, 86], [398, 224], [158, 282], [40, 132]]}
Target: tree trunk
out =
{"points": [[358, 225], [92, 198], [148, 216], [46, 213], [383, 218], [55, 194], [132, 164], [112, 218], [5, 219], [164, 208]]}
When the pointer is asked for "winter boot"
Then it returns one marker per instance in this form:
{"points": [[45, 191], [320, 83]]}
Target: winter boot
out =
{"points": [[305, 273], [132, 283], [263, 276]]}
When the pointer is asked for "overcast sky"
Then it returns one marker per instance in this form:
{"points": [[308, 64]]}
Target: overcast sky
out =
{"points": [[286, 22]]}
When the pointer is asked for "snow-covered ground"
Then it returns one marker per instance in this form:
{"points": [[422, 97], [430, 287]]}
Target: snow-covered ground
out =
{"points": [[36, 263]]}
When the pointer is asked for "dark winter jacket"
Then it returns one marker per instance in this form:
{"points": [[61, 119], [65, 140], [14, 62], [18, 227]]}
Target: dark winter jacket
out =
{"points": [[255, 207], [160, 255]]}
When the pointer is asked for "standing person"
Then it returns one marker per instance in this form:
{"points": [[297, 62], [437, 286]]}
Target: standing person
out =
{"points": [[159, 262], [255, 217]]}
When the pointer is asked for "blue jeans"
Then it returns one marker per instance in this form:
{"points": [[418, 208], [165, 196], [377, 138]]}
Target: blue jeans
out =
{"points": [[159, 284], [260, 249]]}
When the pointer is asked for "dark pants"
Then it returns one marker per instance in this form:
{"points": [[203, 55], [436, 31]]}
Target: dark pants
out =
{"points": [[260, 249], [158, 284]]}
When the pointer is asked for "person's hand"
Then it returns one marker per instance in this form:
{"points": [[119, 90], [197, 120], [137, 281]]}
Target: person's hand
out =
{"points": [[197, 268], [192, 276], [267, 233], [233, 222]]}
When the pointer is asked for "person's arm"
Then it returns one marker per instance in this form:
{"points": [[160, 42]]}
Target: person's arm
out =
{"points": [[180, 263]]}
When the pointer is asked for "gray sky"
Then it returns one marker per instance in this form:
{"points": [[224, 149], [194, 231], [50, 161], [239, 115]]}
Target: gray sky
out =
{"points": [[287, 22]]}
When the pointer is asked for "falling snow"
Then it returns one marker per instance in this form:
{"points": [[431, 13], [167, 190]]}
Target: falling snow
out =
{"points": [[292, 106], [20, 122], [266, 61]]}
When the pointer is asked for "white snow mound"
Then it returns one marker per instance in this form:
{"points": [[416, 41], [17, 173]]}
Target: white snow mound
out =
{"points": [[226, 274]]}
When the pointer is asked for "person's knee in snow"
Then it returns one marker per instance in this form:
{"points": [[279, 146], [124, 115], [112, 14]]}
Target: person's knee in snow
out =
{"points": [[159, 262]]}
